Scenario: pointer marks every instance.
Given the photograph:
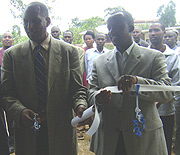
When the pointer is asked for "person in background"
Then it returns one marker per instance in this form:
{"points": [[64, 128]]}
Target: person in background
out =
{"points": [[126, 65], [42, 85], [177, 37], [89, 37], [88, 44], [93, 53], [167, 110], [170, 39], [137, 37], [7, 41], [55, 32], [68, 36]]}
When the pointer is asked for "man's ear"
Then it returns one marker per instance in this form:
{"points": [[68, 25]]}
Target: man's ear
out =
{"points": [[48, 21], [131, 28]]}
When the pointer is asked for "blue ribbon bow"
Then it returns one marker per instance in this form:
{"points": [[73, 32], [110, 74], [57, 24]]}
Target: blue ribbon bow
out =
{"points": [[138, 116], [36, 125]]}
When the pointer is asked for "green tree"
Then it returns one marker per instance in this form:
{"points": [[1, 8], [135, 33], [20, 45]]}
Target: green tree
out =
{"points": [[77, 26], [17, 7], [16, 32], [110, 11], [167, 14]]}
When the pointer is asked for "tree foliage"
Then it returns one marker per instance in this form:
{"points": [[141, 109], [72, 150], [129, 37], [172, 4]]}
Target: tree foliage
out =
{"points": [[167, 14], [77, 26], [16, 32], [17, 7]]}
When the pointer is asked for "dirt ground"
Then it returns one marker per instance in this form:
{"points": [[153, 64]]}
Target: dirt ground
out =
{"points": [[83, 146]]}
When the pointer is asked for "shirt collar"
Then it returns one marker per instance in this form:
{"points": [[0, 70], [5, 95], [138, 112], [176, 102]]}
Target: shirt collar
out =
{"points": [[128, 51], [103, 51], [175, 47], [44, 44]]}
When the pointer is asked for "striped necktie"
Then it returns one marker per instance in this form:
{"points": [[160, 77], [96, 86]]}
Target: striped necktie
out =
{"points": [[40, 76]]}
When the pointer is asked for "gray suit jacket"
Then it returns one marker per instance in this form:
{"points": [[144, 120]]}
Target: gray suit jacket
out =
{"points": [[149, 67], [65, 92]]}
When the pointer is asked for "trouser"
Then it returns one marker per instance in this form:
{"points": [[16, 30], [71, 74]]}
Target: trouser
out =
{"points": [[168, 125], [120, 149], [177, 139], [4, 149], [11, 131], [42, 140]]}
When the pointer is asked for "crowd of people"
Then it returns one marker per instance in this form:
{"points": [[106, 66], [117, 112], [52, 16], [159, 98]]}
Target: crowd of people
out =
{"points": [[46, 81]]}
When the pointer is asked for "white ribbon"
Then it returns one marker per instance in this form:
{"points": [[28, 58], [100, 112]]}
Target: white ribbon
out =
{"points": [[145, 88], [86, 114], [114, 89]]}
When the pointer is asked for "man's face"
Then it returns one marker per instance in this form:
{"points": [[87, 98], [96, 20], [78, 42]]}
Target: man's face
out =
{"points": [[118, 31], [35, 24], [89, 40], [156, 34], [170, 38], [55, 32], [100, 40], [137, 35], [67, 37], [7, 40]]}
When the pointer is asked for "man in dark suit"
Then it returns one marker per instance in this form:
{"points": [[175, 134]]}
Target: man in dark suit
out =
{"points": [[126, 65], [42, 80], [137, 37]]}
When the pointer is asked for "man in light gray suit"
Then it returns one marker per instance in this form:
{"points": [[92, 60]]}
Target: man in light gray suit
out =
{"points": [[126, 65]]}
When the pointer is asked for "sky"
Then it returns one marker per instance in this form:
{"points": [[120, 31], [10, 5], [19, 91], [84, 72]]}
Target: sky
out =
{"points": [[69, 9]]}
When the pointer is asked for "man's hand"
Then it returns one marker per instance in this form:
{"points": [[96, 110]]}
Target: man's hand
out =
{"points": [[27, 116], [79, 112], [103, 97], [80, 109], [125, 82]]}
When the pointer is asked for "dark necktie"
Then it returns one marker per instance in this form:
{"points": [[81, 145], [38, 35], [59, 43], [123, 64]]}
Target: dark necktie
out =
{"points": [[41, 81]]}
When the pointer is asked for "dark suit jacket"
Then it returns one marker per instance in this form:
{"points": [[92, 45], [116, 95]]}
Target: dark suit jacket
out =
{"points": [[65, 93]]}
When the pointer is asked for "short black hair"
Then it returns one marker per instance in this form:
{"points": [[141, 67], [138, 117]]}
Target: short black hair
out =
{"points": [[68, 31], [42, 7], [89, 32], [162, 25], [100, 33], [127, 17]]}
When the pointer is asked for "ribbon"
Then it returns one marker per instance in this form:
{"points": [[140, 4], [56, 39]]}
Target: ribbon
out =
{"points": [[140, 118], [86, 114]]}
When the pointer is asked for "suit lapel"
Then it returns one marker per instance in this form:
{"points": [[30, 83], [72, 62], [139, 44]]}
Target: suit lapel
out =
{"points": [[26, 63], [54, 62], [112, 66], [132, 60]]}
